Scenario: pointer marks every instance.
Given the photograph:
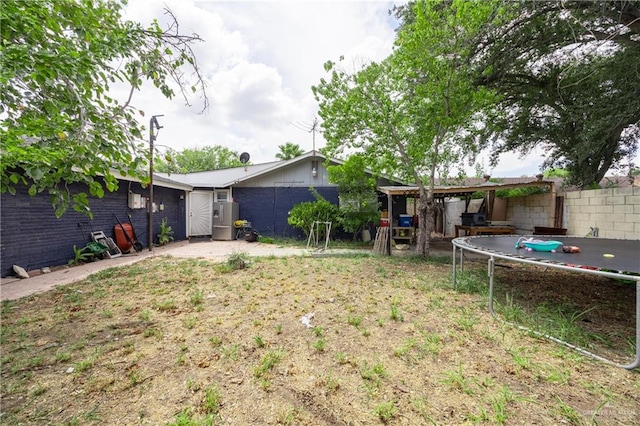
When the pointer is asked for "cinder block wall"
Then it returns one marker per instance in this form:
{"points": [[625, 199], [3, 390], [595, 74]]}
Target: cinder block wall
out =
{"points": [[528, 212], [615, 212]]}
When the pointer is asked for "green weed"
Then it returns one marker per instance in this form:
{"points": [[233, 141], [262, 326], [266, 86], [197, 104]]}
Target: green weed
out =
{"points": [[354, 320], [331, 383], [197, 298], [287, 415], [190, 322], [457, 380], [269, 361], [238, 260], [259, 341], [385, 411], [471, 282], [145, 315], [212, 401], [319, 345], [166, 305], [231, 352], [568, 412], [396, 315]]}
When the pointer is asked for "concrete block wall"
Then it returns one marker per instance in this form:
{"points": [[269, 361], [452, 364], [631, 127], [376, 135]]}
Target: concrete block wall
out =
{"points": [[614, 211], [529, 212]]}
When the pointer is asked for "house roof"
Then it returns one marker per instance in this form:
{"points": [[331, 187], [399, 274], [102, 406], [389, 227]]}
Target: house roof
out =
{"points": [[442, 191], [157, 181], [219, 178], [225, 178]]}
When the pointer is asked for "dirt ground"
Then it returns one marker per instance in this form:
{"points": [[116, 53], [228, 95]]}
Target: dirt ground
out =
{"points": [[344, 340]]}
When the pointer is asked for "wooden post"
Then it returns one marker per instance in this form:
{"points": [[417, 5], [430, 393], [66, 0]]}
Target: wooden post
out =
{"points": [[390, 217], [552, 206]]}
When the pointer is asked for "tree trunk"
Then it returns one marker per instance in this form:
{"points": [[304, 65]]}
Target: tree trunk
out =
{"points": [[426, 210]]}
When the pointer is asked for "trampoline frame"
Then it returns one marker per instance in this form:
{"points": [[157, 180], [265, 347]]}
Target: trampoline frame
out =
{"points": [[463, 244]]}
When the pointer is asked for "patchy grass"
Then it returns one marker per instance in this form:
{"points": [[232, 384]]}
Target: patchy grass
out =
{"points": [[182, 342]]}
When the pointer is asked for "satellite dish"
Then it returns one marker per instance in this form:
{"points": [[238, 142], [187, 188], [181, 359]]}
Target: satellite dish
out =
{"points": [[244, 157]]}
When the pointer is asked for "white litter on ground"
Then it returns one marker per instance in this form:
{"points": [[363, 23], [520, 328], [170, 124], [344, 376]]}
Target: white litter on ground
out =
{"points": [[306, 319]]}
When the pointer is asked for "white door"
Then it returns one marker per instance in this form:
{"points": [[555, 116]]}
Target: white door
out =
{"points": [[200, 213]]}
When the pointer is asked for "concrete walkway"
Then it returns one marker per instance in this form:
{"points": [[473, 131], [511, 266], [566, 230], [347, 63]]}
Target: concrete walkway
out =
{"points": [[12, 288]]}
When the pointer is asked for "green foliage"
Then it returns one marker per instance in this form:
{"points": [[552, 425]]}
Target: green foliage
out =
{"points": [[521, 192], [87, 253], [80, 256], [358, 197], [551, 173], [566, 89], [406, 114], [192, 160], [57, 78], [238, 260], [165, 235], [288, 151], [385, 411], [269, 361], [266, 240], [303, 215], [212, 400]]}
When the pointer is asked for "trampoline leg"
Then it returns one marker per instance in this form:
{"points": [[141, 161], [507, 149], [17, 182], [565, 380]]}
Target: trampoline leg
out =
{"points": [[636, 362], [490, 268], [455, 283]]}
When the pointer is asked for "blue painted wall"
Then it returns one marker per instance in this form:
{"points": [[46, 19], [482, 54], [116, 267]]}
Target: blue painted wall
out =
{"points": [[33, 238], [268, 208]]}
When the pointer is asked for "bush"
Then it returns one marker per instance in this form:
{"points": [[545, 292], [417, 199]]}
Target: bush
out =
{"points": [[238, 260], [304, 214]]}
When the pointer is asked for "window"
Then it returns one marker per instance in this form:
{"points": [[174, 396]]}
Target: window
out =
{"points": [[221, 195]]}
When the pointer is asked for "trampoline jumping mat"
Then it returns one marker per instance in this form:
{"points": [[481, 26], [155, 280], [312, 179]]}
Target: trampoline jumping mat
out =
{"points": [[603, 254]]}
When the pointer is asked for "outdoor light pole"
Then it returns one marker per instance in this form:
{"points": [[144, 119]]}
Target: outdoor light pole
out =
{"points": [[152, 137]]}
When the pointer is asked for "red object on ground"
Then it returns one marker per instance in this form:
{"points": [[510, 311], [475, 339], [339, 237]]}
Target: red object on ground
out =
{"points": [[122, 242]]}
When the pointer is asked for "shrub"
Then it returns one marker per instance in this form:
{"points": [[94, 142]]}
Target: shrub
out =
{"points": [[303, 215]]}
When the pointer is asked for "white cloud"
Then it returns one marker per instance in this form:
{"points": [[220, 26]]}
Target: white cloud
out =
{"points": [[260, 59]]}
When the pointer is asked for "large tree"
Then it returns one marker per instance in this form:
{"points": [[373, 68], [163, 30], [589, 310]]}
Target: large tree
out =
{"points": [[357, 191], [192, 160], [569, 75], [60, 63], [405, 113]]}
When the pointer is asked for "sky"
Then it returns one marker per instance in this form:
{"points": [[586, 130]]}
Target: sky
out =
{"points": [[260, 60]]}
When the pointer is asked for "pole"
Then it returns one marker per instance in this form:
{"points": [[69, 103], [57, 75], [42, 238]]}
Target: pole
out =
{"points": [[153, 122]]}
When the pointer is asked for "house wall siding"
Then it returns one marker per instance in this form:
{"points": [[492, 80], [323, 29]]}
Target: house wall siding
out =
{"points": [[268, 208], [298, 175], [33, 238]]}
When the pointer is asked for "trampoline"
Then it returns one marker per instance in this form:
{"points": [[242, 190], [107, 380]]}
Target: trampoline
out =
{"points": [[619, 259]]}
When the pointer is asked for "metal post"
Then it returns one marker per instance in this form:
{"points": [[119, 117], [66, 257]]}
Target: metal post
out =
{"points": [[153, 122], [453, 261]]}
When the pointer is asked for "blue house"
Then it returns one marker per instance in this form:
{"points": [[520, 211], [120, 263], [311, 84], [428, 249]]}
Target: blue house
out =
{"points": [[33, 238], [264, 193]]}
